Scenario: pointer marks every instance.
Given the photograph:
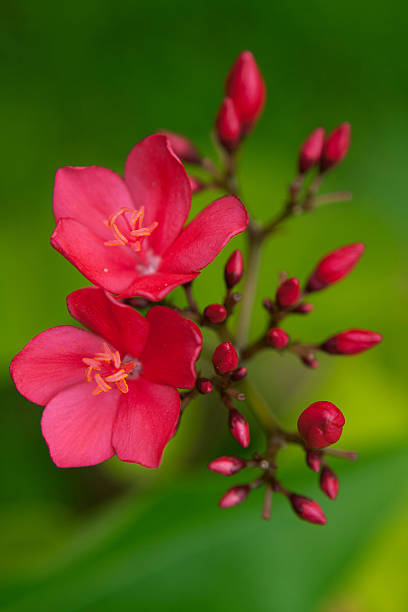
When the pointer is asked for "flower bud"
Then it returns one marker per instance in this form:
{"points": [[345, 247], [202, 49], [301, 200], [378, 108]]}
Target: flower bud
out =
{"points": [[234, 269], [314, 460], [195, 184], [277, 338], [304, 308], [310, 361], [288, 293], [228, 125], [182, 147], [225, 358], [239, 427], [227, 465], [335, 266], [336, 146], [329, 483], [311, 150], [321, 424], [246, 87], [204, 385], [239, 374], [351, 342], [268, 305], [234, 496], [307, 509], [216, 313]]}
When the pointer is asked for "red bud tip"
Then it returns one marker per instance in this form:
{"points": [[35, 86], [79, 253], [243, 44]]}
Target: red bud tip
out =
{"points": [[234, 496], [304, 308], [351, 342], [335, 266], [268, 305], [310, 361], [329, 483], [225, 358], [195, 184], [183, 147], [216, 313], [204, 385], [277, 338], [239, 374], [336, 146], [239, 428], [227, 465], [314, 460], [311, 150], [246, 87], [228, 125], [234, 269], [307, 509], [288, 292], [321, 424]]}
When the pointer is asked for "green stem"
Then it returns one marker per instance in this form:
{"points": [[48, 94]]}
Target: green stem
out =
{"points": [[260, 409]]}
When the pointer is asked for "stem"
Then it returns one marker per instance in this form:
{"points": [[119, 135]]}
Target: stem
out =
{"points": [[188, 288], [266, 513], [329, 198]]}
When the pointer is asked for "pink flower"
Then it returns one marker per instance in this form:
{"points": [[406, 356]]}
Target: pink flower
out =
{"points": [[111, 389], [127, 236]]}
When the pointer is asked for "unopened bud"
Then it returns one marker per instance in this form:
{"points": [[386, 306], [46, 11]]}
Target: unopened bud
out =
{"points": [[277, 338], [351, 342], [321, 424], [239, 374], [228, 125], [311, 150], [329, 483], [310, 361], [288, 293], [246, 87], [234, 496], [204, 385], [239, 427], [268, 305], [336, 146], [182, 147], [314, 460], [307, 509], [225, 358], [304, 308], [227, 465], [234, 269], [335, 266], [215, 313], [195, 184]]}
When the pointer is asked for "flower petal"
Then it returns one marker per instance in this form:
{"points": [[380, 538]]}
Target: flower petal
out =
{"points": [[52, 361], [172, 349], [90, 195], [145, 421], [77, 426], [158, 181], [201, 241], [156, 286], [119, 324]]}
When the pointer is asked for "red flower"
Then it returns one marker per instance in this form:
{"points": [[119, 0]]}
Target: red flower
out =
{"points": [[111, 389], [127, 235]]}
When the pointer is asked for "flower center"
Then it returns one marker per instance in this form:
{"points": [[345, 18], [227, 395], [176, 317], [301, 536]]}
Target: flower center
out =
{"points": [[131, 232], [106, 368]]}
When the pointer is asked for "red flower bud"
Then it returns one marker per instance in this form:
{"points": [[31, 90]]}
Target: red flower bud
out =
{"points": [[288, 292], [314, 460], [351, 342], [216, 313], [335, 266], [195, 184], [277, 338], [239, 374], [228, 125], [268, 305], [183, 147], [329, 483], [239, 427], [246, 87], [227, 465], [307, 509], [311, 150], [310, 361], [336, 146], [234, 496], [321, 424], [204, 385], [234, 269], [225, 358], [304, 308]]}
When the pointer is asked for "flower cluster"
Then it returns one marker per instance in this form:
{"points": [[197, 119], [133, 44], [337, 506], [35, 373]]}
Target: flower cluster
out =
{"points": [[119, 384]]}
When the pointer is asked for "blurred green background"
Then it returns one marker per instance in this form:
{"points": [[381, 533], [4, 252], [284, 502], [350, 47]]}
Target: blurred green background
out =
{"points": [[82, 82]]}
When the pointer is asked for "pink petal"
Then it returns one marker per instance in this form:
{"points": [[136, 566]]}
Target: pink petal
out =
{"points": [[77, 426], [157, 180], [201, 241], [112, 268], [52, 361], [172, 348], [155, 286], [90, 196], [145, 421], [119, 324]]}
